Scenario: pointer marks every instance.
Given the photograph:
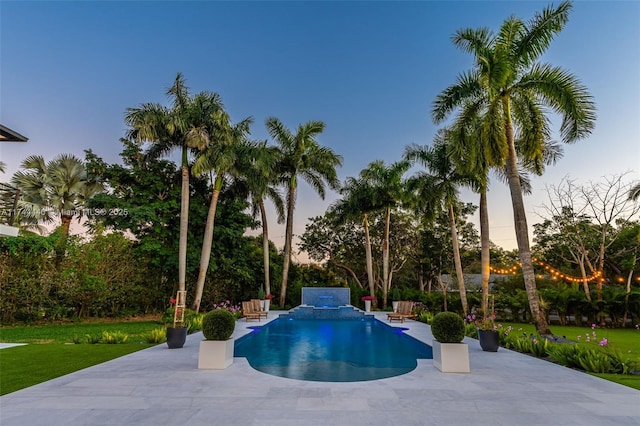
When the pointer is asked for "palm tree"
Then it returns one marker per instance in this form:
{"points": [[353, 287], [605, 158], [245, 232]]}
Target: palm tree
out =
{"points": [[59, 187], [438, 189], [301, 156], [513, 89], [227, 146], [388, 193], [259, 174], [358, 200], [183, 126], [475, 153]]}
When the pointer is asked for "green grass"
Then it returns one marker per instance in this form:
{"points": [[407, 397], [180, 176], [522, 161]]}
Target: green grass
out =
{"points": [[48, 355], [24, 366]]}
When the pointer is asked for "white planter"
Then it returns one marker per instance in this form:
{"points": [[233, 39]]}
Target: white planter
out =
{"points": [[267, 304], [451, 357], [367, 305], [395, 306], [215, 354]]}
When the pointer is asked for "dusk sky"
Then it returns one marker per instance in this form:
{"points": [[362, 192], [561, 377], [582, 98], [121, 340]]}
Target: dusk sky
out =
{"points": [[369, 70]]}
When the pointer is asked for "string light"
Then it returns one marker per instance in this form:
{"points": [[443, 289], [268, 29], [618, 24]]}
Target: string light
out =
{"points": [[553, 272]]}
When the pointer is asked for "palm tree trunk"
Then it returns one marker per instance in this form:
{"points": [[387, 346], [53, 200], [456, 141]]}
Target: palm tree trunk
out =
{"points": [[367, 250], [265, 247], [385, 259], [184, 222], [61, 245], [207, 240], [522, 231], [287, 241], [485, 253], [458, 263]]}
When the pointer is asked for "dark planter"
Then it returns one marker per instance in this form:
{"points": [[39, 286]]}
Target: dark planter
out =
{"points": [[489, 340], [176, 337]]}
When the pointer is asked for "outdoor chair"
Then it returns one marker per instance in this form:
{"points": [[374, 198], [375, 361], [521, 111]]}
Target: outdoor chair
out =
{"points": [[248, 312], [257, 308], [405, 311]]}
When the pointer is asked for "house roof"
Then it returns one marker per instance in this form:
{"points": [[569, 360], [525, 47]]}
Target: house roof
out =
{"points": [[8, 135]]}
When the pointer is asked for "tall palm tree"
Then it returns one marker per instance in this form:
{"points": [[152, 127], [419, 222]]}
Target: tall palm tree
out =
{"points": [[57, 188], [439, 188], [226, 147], [358, 201], [183, 126], [301, 156], [514, 89], [259, 175], [388, 193], [475, 153]]}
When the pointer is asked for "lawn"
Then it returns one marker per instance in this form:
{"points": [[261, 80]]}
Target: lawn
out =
{"points": [[49, 355]]}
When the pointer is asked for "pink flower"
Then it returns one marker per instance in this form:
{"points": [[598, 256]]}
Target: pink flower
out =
{"points": [[579, 337], [172, 300], [603, 342], [593, 326]]}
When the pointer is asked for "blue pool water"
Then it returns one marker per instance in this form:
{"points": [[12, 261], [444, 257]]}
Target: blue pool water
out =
{"points": [[331, 350]]}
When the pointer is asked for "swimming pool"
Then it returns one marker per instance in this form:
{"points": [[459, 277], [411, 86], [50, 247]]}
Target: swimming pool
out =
{"points": [[331, 350]]}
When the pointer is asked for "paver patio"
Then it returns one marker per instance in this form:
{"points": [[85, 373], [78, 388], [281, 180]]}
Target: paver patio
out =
{"points": [[158, 386]]}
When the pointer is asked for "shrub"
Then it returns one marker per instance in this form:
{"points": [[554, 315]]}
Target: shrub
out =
{"points": [[157, 335], [218, 325], [448, 327], [114, 337]]}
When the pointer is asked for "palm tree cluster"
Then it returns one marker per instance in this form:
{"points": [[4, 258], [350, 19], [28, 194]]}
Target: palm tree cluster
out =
{"points": [[223, 150]]}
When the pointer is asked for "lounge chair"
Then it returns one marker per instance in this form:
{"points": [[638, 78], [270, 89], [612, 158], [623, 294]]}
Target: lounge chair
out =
{"points": [[405, 311], [248, 312], [258, 309]]}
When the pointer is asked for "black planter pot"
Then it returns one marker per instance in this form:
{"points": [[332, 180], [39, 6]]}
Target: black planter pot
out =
{"points": [[489, 340], [176, 337]]}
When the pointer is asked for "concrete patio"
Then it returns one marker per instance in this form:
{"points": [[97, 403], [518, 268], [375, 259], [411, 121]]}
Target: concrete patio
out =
{"points": [[158, 386]]}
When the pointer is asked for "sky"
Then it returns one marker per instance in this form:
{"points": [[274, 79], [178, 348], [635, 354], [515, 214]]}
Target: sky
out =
{"points": [[369, 70]]}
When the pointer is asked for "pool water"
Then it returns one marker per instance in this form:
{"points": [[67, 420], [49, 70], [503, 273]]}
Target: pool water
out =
{"points": [[331, 350]]}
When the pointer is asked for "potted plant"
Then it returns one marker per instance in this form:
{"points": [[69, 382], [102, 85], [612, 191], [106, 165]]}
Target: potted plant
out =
{"points": [[216, 352], [267, 302], [261, 296], [488, 334], [177, 334], [367, 303], [450, 355]]}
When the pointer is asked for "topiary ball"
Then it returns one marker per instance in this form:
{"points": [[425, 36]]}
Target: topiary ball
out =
{"points": [[448, 327], [218, 325]]}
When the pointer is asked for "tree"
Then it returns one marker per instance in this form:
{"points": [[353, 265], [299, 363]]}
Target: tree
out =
{"points": [[57, 188], [182, 126], [388, 193], [259, 175], [227, 146], [302, 156], [513, 89], [439, 190]]}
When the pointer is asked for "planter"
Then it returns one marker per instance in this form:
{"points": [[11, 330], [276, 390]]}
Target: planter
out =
{"points": [[489, 340], [266, 305], [367, 305], [395, 306], [451, 357], [215, 354], [176, 337]]}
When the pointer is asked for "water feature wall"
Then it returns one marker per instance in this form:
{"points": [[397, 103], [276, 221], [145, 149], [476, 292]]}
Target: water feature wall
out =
{"points": [[323, 297], [325, 303]]}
